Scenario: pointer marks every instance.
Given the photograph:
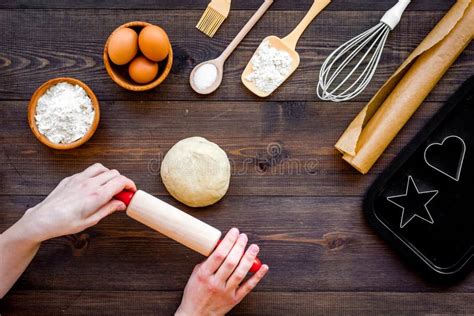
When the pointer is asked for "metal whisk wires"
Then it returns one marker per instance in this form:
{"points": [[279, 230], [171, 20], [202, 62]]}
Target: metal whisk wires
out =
{"points": [[337, 80], [374, 39]]}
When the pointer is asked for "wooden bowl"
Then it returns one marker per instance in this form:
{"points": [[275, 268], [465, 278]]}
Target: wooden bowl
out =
{"points": [[119, 74], [32, 112]]}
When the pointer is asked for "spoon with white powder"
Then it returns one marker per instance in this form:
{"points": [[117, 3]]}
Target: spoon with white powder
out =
{"points": [[207, 76], [276, 59]]}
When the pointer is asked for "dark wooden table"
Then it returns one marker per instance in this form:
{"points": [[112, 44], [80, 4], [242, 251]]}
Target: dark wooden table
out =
{"points": [[290, 190]]}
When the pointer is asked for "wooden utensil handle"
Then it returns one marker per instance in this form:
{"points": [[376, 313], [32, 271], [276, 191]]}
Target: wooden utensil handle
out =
{"points": [[173, 223], [292, 39], [244, 31]]}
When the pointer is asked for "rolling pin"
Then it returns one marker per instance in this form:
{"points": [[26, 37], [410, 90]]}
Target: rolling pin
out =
{"points": [[173, 223]]}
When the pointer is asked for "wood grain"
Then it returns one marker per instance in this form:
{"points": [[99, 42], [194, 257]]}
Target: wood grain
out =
{"points": [[29, 57], [257, 303], [357, 5], [290, 190], [275, 148], [310, 244]]}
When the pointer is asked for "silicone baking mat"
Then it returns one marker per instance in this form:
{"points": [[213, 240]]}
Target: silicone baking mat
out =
{"points": [[423, 204]]}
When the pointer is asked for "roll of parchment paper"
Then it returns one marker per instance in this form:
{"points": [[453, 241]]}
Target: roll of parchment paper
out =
{"points": [[383, 117]]}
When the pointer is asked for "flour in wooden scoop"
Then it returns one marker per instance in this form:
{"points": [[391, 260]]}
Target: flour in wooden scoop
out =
{"points": [[270, 67]]}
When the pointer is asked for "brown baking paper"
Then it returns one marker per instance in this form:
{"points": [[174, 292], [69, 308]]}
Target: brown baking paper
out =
{"points": [[383, 117]]}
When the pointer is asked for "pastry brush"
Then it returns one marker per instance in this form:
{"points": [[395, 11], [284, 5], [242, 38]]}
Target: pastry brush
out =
{"points": [[216, 12]]}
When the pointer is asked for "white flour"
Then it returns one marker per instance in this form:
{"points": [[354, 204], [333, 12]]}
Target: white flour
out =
{"points": [[270, 67], [64, 113], [205, 76]]}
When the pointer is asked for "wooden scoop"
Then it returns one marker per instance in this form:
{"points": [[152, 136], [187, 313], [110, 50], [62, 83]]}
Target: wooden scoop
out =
{"points": [[219, 61], [287, 44]]}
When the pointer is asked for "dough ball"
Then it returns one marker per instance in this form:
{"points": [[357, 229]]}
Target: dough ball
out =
{"points": [[196, 172]]}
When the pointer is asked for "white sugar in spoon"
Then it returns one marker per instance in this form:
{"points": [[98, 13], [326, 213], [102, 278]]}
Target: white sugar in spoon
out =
{"points": [[209, 86]]}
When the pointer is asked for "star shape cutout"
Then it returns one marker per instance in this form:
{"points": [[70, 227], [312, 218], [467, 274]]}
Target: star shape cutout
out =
{"points": [[413, 203]]}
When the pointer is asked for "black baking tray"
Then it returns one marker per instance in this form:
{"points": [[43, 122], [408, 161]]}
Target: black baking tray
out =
{"points": [[423, 203]]}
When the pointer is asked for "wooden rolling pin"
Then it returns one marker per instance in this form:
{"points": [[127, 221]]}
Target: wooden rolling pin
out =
{"points": [[174, 223]]}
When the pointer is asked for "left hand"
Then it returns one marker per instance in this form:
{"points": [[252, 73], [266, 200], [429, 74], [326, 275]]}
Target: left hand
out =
{"points": [[78, 202]]}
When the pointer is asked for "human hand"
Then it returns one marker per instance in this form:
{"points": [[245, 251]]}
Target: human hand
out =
{"points": [[215, 286], [78, 202]]}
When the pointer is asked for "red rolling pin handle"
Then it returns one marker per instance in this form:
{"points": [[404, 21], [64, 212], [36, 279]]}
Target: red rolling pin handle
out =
{"points": [[126, 197]]}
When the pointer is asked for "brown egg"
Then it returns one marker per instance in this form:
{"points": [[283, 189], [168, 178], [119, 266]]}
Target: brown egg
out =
{"points": [[123, 46], [154, 43], [142, 70]]}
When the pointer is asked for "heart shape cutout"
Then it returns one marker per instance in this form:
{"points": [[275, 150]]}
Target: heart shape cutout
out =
{"points": [[447, 157]]}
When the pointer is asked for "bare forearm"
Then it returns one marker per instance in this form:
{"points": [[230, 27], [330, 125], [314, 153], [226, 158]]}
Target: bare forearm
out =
{"points": [[77, 203], [17, 249]]}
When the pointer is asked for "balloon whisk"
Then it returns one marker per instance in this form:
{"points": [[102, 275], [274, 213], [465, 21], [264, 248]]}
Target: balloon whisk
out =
{"points": [[350, 68]]}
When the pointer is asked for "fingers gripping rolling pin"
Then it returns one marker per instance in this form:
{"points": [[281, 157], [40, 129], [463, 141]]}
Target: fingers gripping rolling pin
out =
{"points": [[173, 223]]}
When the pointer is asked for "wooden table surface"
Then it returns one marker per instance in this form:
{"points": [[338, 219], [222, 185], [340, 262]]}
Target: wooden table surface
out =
{"points": [[290, 190]]}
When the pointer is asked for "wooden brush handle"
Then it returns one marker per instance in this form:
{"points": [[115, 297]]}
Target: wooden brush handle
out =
{"points": [[292, 39], [244, 31], [173, 223]]}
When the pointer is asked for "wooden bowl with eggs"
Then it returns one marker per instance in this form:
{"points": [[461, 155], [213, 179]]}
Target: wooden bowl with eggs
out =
{"points": [[120, 70]]}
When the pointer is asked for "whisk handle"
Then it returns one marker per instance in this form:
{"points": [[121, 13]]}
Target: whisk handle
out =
{"points": [[392, 17]]}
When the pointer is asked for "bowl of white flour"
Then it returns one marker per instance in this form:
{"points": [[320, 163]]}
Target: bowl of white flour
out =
{"points": [[63, 113]]}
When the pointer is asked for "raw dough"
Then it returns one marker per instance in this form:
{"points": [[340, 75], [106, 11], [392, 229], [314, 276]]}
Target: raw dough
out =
{"points": [[196, 172]]}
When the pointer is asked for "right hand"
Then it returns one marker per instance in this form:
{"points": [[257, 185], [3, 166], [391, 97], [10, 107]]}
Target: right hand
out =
{"points": [[78, 202], [216, 285]]}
